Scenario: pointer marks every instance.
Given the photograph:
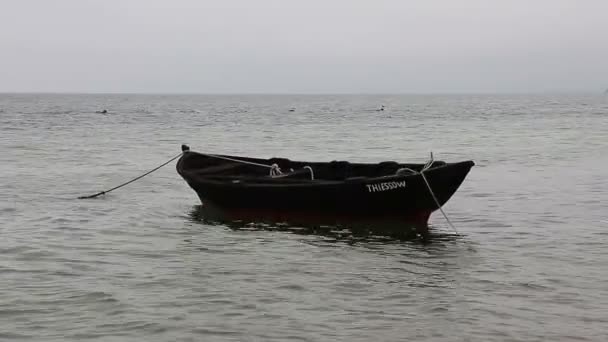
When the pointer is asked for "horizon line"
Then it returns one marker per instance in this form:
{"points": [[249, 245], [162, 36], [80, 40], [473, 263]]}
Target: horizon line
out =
{"points": [[548, 92]]}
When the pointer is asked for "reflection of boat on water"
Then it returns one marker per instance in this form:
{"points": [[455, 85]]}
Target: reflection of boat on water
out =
{"points": [[372, 195], [346, 233]]}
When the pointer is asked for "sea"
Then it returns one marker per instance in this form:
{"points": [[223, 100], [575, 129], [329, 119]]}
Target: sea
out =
{"points": [[527, 259]]}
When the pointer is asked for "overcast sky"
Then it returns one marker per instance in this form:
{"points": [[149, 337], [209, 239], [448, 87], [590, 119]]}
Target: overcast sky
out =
{"points": [[303, 46]]}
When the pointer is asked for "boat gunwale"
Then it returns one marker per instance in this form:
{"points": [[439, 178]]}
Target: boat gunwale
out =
{"points": [[266, 181]]}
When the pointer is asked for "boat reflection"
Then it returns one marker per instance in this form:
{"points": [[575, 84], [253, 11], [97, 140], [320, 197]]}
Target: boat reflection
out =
{"points": [[351, 233]]}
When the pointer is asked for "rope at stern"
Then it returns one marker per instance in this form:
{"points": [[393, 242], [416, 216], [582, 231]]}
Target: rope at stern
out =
{"points": [[132, 180]]}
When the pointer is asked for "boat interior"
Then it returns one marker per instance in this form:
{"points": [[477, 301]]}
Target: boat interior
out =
{"points": [[222, 166]]}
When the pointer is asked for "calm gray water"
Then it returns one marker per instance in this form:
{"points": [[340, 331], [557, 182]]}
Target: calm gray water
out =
{"points": [[529, 263]]}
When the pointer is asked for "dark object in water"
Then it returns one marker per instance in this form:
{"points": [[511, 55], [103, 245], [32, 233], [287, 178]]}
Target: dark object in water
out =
{"points": [[102, 111], [337, 192]]}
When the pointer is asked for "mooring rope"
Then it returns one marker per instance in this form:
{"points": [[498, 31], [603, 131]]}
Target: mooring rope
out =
{"points": [[275, 170], [238, 160], [132, 180], [437, 202], [426, 167]]}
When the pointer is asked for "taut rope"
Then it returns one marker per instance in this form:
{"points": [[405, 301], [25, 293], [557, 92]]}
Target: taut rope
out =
{"points": [[275, 170]]}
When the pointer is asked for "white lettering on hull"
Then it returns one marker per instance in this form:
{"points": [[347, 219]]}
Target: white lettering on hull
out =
{"points": [[385, 186]]}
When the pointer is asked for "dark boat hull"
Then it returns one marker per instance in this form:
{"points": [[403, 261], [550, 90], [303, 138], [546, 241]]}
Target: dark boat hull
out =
{"points": [[394, 198]]}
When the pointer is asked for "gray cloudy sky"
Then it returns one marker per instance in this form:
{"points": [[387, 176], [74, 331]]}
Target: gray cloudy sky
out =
{"points": [[304, 46]]}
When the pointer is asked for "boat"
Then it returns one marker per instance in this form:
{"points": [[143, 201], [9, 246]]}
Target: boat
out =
{"points": [[336, 192]]}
